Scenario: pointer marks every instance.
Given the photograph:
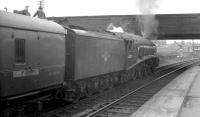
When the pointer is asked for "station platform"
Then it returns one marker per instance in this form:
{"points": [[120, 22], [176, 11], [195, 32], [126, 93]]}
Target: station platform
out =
{"points": [[180, 98]]}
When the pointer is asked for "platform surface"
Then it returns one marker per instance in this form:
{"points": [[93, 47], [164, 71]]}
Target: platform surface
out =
{"points": [[180, 98]]}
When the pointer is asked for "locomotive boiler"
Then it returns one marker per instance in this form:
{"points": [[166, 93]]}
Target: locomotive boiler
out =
{"points": [[41, 60]]}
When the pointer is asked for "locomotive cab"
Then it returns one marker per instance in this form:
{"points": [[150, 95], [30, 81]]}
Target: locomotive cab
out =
{"points": [[137, 49], [131, 48], [131, 52]]}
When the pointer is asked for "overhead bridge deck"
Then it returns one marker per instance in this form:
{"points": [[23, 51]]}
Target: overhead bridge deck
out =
{"points": [[171, 26]]}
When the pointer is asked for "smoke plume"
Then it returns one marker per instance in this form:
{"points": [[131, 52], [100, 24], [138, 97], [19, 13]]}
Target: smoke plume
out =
{"points": [[115, 25], [147, 22]]}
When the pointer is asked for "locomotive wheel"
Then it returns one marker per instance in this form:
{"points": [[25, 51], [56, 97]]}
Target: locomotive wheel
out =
{"points": [[149, 70], [76, 95], [96, 84], [129, 75], [90, 88], [133, 74], [88, 93], [103, 85], [123, 77], [139, 74], [115, 79], [110, 82]]}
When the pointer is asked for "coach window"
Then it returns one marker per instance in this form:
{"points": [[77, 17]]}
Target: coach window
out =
{"points": [[20, 50]]}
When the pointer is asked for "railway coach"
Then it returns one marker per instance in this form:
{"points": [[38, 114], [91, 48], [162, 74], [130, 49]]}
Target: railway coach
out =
{"points": [[32, 57]]}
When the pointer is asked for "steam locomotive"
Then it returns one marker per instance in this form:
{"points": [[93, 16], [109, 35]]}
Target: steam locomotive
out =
{"points": [[40, 60]]}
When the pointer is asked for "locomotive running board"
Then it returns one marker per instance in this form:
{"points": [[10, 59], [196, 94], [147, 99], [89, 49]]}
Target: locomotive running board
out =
{"points": [[141, 60]]}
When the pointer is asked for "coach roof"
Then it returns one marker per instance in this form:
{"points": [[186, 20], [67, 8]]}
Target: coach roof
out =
{"points": [[29, 23]]}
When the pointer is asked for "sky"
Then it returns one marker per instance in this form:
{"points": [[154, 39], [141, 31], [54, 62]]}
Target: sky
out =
{"points": [[102, 7]]}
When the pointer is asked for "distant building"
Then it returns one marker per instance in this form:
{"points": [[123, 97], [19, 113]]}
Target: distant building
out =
{"points": [[160, 42]]}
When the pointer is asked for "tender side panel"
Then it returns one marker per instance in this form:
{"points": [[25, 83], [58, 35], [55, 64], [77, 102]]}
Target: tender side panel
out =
{"points": [[96, 56]]}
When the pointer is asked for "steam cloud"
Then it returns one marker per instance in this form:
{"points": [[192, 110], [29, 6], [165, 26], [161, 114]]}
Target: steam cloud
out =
{"points": [[147, 22], [115, 25], [121, 25]]}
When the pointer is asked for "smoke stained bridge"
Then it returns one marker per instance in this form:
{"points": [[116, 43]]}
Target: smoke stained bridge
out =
{"points": [[169, 26]]}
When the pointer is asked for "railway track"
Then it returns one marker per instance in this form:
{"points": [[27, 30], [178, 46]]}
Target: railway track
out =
{"points": [[129, 103], [123, 100], [169, 66]]}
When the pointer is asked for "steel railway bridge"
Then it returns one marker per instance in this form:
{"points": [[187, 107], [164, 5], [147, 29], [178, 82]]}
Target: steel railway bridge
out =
{"points": [[170, 26]]}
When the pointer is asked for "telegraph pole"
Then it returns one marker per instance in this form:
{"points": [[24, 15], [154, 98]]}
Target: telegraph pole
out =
{"points": [[41, 3]]}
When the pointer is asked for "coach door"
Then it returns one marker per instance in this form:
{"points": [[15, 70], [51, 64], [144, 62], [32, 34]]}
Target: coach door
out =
{"points": [[52, 58], [26, 60]]}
